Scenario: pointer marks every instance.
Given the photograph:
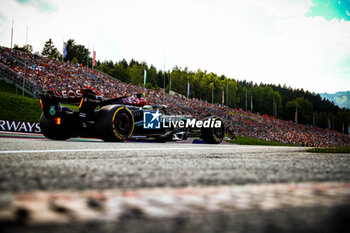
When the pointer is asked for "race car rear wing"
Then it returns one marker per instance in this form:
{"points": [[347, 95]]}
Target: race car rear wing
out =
{"points": [[78, 94], [71, 95], [87, 98]]}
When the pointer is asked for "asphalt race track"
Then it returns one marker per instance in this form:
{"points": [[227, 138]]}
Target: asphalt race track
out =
{"points": [[93, 186]]}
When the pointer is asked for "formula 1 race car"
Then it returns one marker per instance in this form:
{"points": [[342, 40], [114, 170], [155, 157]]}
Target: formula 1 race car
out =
{"points": [[118, 119]]}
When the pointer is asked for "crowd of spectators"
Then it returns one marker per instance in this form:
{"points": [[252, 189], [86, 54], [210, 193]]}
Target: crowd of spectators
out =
{"points": [[50, 74]]}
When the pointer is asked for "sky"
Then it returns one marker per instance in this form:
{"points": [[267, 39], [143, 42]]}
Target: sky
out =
{"points": [[298, 43]]}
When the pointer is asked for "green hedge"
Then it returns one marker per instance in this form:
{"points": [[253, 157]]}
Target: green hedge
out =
{"points": [[18, 107]]}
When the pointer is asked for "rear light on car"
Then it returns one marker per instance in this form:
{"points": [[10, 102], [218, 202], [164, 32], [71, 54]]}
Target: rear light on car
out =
{"points": [[81, 102], [57, 121]]}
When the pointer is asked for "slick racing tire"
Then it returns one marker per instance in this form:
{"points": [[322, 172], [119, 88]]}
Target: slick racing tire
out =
{"points": [[114, 123], [213, 135], [53, 131]]}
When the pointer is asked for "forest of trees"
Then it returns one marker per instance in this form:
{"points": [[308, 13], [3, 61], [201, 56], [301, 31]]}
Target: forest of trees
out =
{"points": [[275, 100]]}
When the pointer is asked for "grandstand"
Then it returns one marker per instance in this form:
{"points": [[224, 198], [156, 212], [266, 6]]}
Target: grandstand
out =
{"points": [[41, 74]]}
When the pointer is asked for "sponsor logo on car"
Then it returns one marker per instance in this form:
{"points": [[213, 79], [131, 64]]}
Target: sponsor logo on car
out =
{"points": [[68, 94]]}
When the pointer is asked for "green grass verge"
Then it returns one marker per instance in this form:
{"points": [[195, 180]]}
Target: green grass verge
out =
{"points": [[253, 141], [330, 150], [18, 107]]}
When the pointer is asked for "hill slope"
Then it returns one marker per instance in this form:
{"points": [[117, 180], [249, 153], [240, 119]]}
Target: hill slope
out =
{"points": [[16, 107], [342, 99]]}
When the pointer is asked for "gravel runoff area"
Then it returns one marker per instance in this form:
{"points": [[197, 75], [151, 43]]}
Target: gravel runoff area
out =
{"points": [[33, 167]]}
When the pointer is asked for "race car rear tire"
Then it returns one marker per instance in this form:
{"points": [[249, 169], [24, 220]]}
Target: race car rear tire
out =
{"points": [[213, 135], [53, 131], [114, 123]]}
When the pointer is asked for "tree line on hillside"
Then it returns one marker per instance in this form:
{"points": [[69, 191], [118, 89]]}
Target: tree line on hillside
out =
{"points": [[75, 52], [275, 100]]}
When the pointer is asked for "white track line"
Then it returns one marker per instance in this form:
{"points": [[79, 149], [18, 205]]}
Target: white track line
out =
{"points": [[113, 149]]}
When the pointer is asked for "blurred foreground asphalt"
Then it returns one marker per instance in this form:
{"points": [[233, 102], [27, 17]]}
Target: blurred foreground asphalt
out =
{"points": [[171, 187]]}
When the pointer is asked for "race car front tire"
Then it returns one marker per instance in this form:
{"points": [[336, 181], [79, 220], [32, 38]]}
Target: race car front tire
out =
{"points": [[214, 135], [114, 123]]}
